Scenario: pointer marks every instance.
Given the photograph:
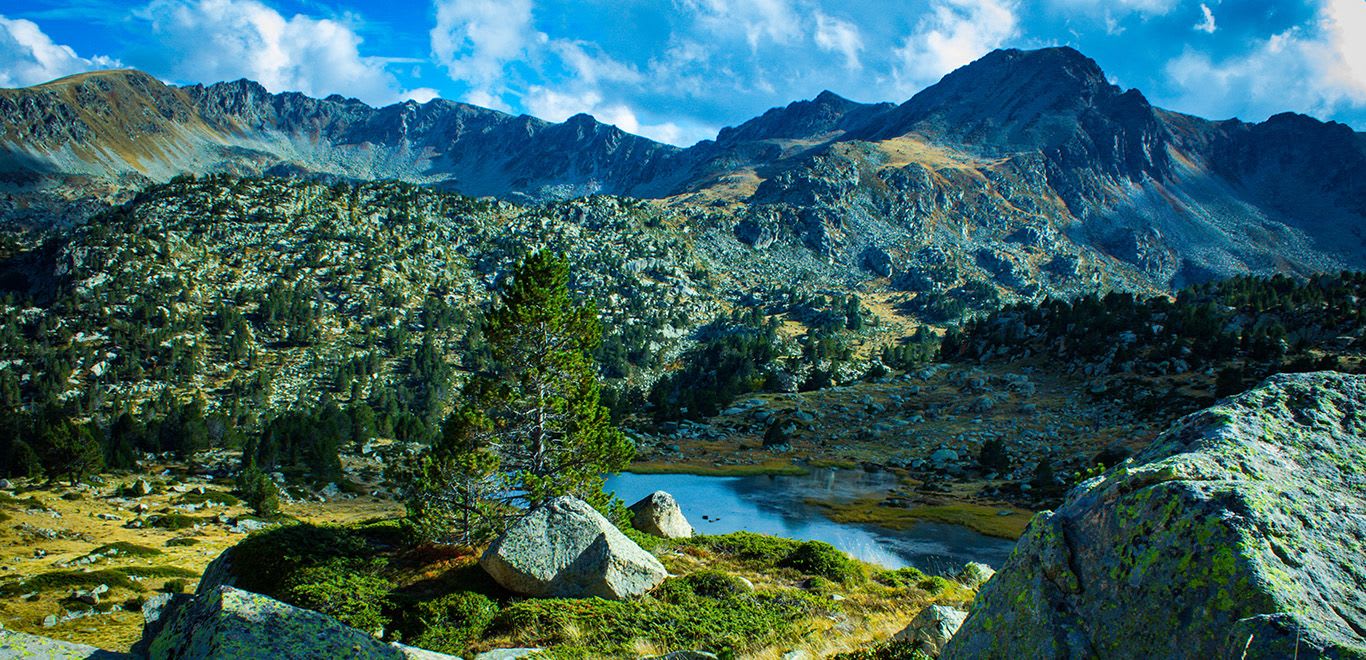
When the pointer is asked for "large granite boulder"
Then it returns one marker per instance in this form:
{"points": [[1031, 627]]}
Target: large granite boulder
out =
{"points": [[1238, 533], [564, 548], [658, 514], [229, 623], [22, 645]]}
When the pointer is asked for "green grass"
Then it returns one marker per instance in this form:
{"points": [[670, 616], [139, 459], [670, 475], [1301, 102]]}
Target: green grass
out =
{"points": [[181, 542]]}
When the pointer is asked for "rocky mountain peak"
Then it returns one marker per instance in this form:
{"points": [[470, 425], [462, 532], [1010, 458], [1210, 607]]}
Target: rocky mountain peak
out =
{"points": [[822, 116]]}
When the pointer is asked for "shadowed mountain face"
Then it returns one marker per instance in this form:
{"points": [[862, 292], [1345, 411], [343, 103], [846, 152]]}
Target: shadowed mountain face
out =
{"points": [[1022, 166]]}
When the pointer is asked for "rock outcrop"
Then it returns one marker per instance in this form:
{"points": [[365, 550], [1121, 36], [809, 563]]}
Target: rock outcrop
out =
{"points": [[564, 548], [1236, 534], [230, 623], [659, 514]]}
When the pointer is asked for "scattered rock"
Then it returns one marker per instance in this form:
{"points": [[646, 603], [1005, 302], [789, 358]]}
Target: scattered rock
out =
{"points": [[140, 488], [683, 655], [564, 548], [1232, 535], [932, 628], [659, 514]]}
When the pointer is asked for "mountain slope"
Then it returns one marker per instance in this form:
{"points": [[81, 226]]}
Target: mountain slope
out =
{"points": [[1027, 172]]}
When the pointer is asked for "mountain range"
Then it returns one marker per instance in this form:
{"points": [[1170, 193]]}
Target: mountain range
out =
{"points": [[1028, 168]]}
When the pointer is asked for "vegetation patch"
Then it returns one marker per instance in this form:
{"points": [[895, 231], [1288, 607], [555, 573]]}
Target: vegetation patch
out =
{"points": [[173, 521], [981, 518], [125, 549], [209, 497]]}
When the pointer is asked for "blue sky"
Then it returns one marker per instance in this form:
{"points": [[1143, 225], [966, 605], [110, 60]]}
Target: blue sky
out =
{"points": [[678, 70]]}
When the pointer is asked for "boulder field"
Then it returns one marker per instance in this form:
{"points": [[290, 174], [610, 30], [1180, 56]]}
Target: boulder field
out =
{"points": [[1238, 533]]}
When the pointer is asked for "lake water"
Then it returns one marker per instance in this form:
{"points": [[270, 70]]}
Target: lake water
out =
{"points": [[777, 505]]}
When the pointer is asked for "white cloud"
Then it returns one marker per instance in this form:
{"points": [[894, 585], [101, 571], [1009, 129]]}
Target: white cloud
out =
{"points": [[212, 40], [1316, 69], [760, 21], [1117, 7], [839, 36], [953, 33], [555, 105], [475, 39], [29, 57], [1206, 23]]}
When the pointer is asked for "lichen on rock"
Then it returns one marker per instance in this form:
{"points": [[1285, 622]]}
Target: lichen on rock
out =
{"points": [[1237, 533]]}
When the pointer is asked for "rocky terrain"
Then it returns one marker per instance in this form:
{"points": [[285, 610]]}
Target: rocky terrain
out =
{"points": [[1233, 534]]}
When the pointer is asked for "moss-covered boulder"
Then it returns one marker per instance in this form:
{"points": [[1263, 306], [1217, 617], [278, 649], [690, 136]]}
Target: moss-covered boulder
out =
{"points": [[1239, 533], [230, 623]]}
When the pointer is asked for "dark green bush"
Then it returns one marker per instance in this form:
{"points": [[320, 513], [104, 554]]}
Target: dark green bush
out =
{"points": [[704, 584], [823, 560], [182, 541], [172, 521], [449, 623], [757, 549], [901, 577], [350, 590], [267, 560]]}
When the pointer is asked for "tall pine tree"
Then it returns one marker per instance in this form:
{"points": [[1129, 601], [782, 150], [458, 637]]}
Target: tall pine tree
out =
{"points": [[531, 426]]}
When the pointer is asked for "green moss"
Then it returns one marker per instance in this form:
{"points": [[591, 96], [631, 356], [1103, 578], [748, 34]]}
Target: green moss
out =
{"points": [[757, 550], [450, 623], [351, 590]]}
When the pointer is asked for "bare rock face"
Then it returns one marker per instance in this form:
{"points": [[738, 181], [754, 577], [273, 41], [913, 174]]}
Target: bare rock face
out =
{"points": [[658, 514], [564, 548], [930, 630], [1236, 534]]}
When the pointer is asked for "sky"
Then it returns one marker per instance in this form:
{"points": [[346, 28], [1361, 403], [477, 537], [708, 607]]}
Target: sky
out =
{"points": [[679, 70]]}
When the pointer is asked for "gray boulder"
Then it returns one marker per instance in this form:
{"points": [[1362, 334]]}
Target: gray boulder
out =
{"points": [[564, 548], [230, 623], [930, 630], [22, 645], [658, 514], [1236, 534]]}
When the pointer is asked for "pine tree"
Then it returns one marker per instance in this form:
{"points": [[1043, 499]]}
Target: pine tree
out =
{"points": [[532, 426]]}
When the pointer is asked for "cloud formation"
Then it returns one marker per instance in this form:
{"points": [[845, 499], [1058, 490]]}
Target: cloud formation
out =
{"points": [[1318, 70], [954, 33], [29, 57], [214, 40], [1206, 24]]}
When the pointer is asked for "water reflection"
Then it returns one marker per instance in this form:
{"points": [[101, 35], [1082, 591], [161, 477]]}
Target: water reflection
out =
{"points": [[777, 505]]}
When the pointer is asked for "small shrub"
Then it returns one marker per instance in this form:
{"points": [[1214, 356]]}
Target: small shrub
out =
{"points": [[73, 497], [176, 586], [125, 549], [172, 521], [350, 590], [901, 577], [181, 542], [704, 584], [758, 549], [449, 623], [823, 560]]}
